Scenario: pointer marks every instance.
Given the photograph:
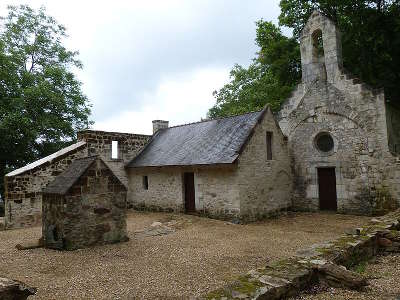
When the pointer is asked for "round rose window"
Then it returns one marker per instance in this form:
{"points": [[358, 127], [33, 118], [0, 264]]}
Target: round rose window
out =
{"points": [[324, 142]]}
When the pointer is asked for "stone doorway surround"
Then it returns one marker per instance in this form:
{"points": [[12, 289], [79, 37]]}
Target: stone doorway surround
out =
{"points": [[312, 192]]}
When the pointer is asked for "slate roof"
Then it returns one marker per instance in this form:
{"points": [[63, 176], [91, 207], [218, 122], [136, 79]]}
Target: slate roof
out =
{"points": [[63, 182], [218, 141], [48, 159]]}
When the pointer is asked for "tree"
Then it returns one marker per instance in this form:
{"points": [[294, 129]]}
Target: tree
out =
{"points": [[269, 79], [41, 101], [371, 51]]}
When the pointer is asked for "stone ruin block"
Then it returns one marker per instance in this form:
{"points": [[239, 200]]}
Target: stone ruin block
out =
{"points": [[84, 206]]}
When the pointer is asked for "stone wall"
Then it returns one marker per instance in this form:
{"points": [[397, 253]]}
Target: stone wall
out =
{"points": [[265, 185], [216, 193], [349, 111], [23, 205], [93, 212], [129, 145], [164, 193], [389, 192], [23, 191]]}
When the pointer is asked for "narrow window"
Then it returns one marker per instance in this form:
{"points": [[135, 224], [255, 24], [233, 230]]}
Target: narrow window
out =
{"points": [[269, 145], [114, 149], [318, 53], [145, 182], [318, 45]]}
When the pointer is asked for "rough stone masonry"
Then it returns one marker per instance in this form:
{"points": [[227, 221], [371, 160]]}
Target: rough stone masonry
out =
{"points": [[24, 186], [336, 122], [85, 206]]}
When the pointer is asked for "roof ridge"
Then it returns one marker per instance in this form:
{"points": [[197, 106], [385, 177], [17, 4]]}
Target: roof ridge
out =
{"points": [[216, 119]]}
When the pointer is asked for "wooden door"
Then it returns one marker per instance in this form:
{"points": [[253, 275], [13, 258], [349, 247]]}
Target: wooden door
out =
{"points": [[327, 189], [190, 205]]}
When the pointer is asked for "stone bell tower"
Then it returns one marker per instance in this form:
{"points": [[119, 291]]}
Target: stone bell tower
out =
{"points": [[321, 49]]}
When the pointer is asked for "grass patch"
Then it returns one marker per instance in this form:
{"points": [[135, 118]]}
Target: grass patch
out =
{"points": [[361, 267]]}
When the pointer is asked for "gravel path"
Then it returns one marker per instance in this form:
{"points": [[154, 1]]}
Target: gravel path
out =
{"points": [[200, 256], [384, 283]]}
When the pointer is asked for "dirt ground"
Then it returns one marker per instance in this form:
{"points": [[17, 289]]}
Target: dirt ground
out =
{"points": [[383, 275], [199, 256]]}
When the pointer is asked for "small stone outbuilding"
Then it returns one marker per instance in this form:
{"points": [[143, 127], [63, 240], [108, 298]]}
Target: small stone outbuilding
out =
{"points": [[84, 206]]}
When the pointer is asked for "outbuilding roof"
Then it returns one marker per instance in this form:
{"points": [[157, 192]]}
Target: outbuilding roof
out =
{"points": [[63, 182], [217, 141]]}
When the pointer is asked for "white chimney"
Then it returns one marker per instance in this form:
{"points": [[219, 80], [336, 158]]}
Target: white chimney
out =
{"points": [[159, 124]]}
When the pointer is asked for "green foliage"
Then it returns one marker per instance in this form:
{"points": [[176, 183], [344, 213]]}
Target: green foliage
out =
{"points": [[361, 267], [41, 102], [269, 79], [371, 51]]}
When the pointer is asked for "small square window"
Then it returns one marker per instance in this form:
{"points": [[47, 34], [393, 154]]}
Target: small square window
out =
{"points": [[114, 149], [145, 182]]}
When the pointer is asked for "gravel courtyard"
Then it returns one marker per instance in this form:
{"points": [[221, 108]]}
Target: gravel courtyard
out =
{"points": [[196, 256]]}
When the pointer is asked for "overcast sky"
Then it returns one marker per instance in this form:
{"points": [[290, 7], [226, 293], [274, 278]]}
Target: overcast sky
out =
{"points": [[156, 59]]}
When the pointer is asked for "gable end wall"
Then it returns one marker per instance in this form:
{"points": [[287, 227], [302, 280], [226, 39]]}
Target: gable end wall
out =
{"points": [[264, 185]]}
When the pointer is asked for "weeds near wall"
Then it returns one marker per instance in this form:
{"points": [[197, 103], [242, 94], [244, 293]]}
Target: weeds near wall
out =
{"points": [[384, 202]]}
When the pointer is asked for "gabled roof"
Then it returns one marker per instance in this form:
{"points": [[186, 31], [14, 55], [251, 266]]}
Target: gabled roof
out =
{"points": [[67, 179], [218, 141], [48, 159]]}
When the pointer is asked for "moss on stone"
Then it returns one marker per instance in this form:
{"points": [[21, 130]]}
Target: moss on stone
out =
{"points": [[245, 286], [218, 294], [324, 251]]}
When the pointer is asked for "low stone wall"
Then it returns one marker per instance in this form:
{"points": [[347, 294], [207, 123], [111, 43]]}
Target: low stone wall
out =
{"points": [[14, 290], [326, 263]]}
